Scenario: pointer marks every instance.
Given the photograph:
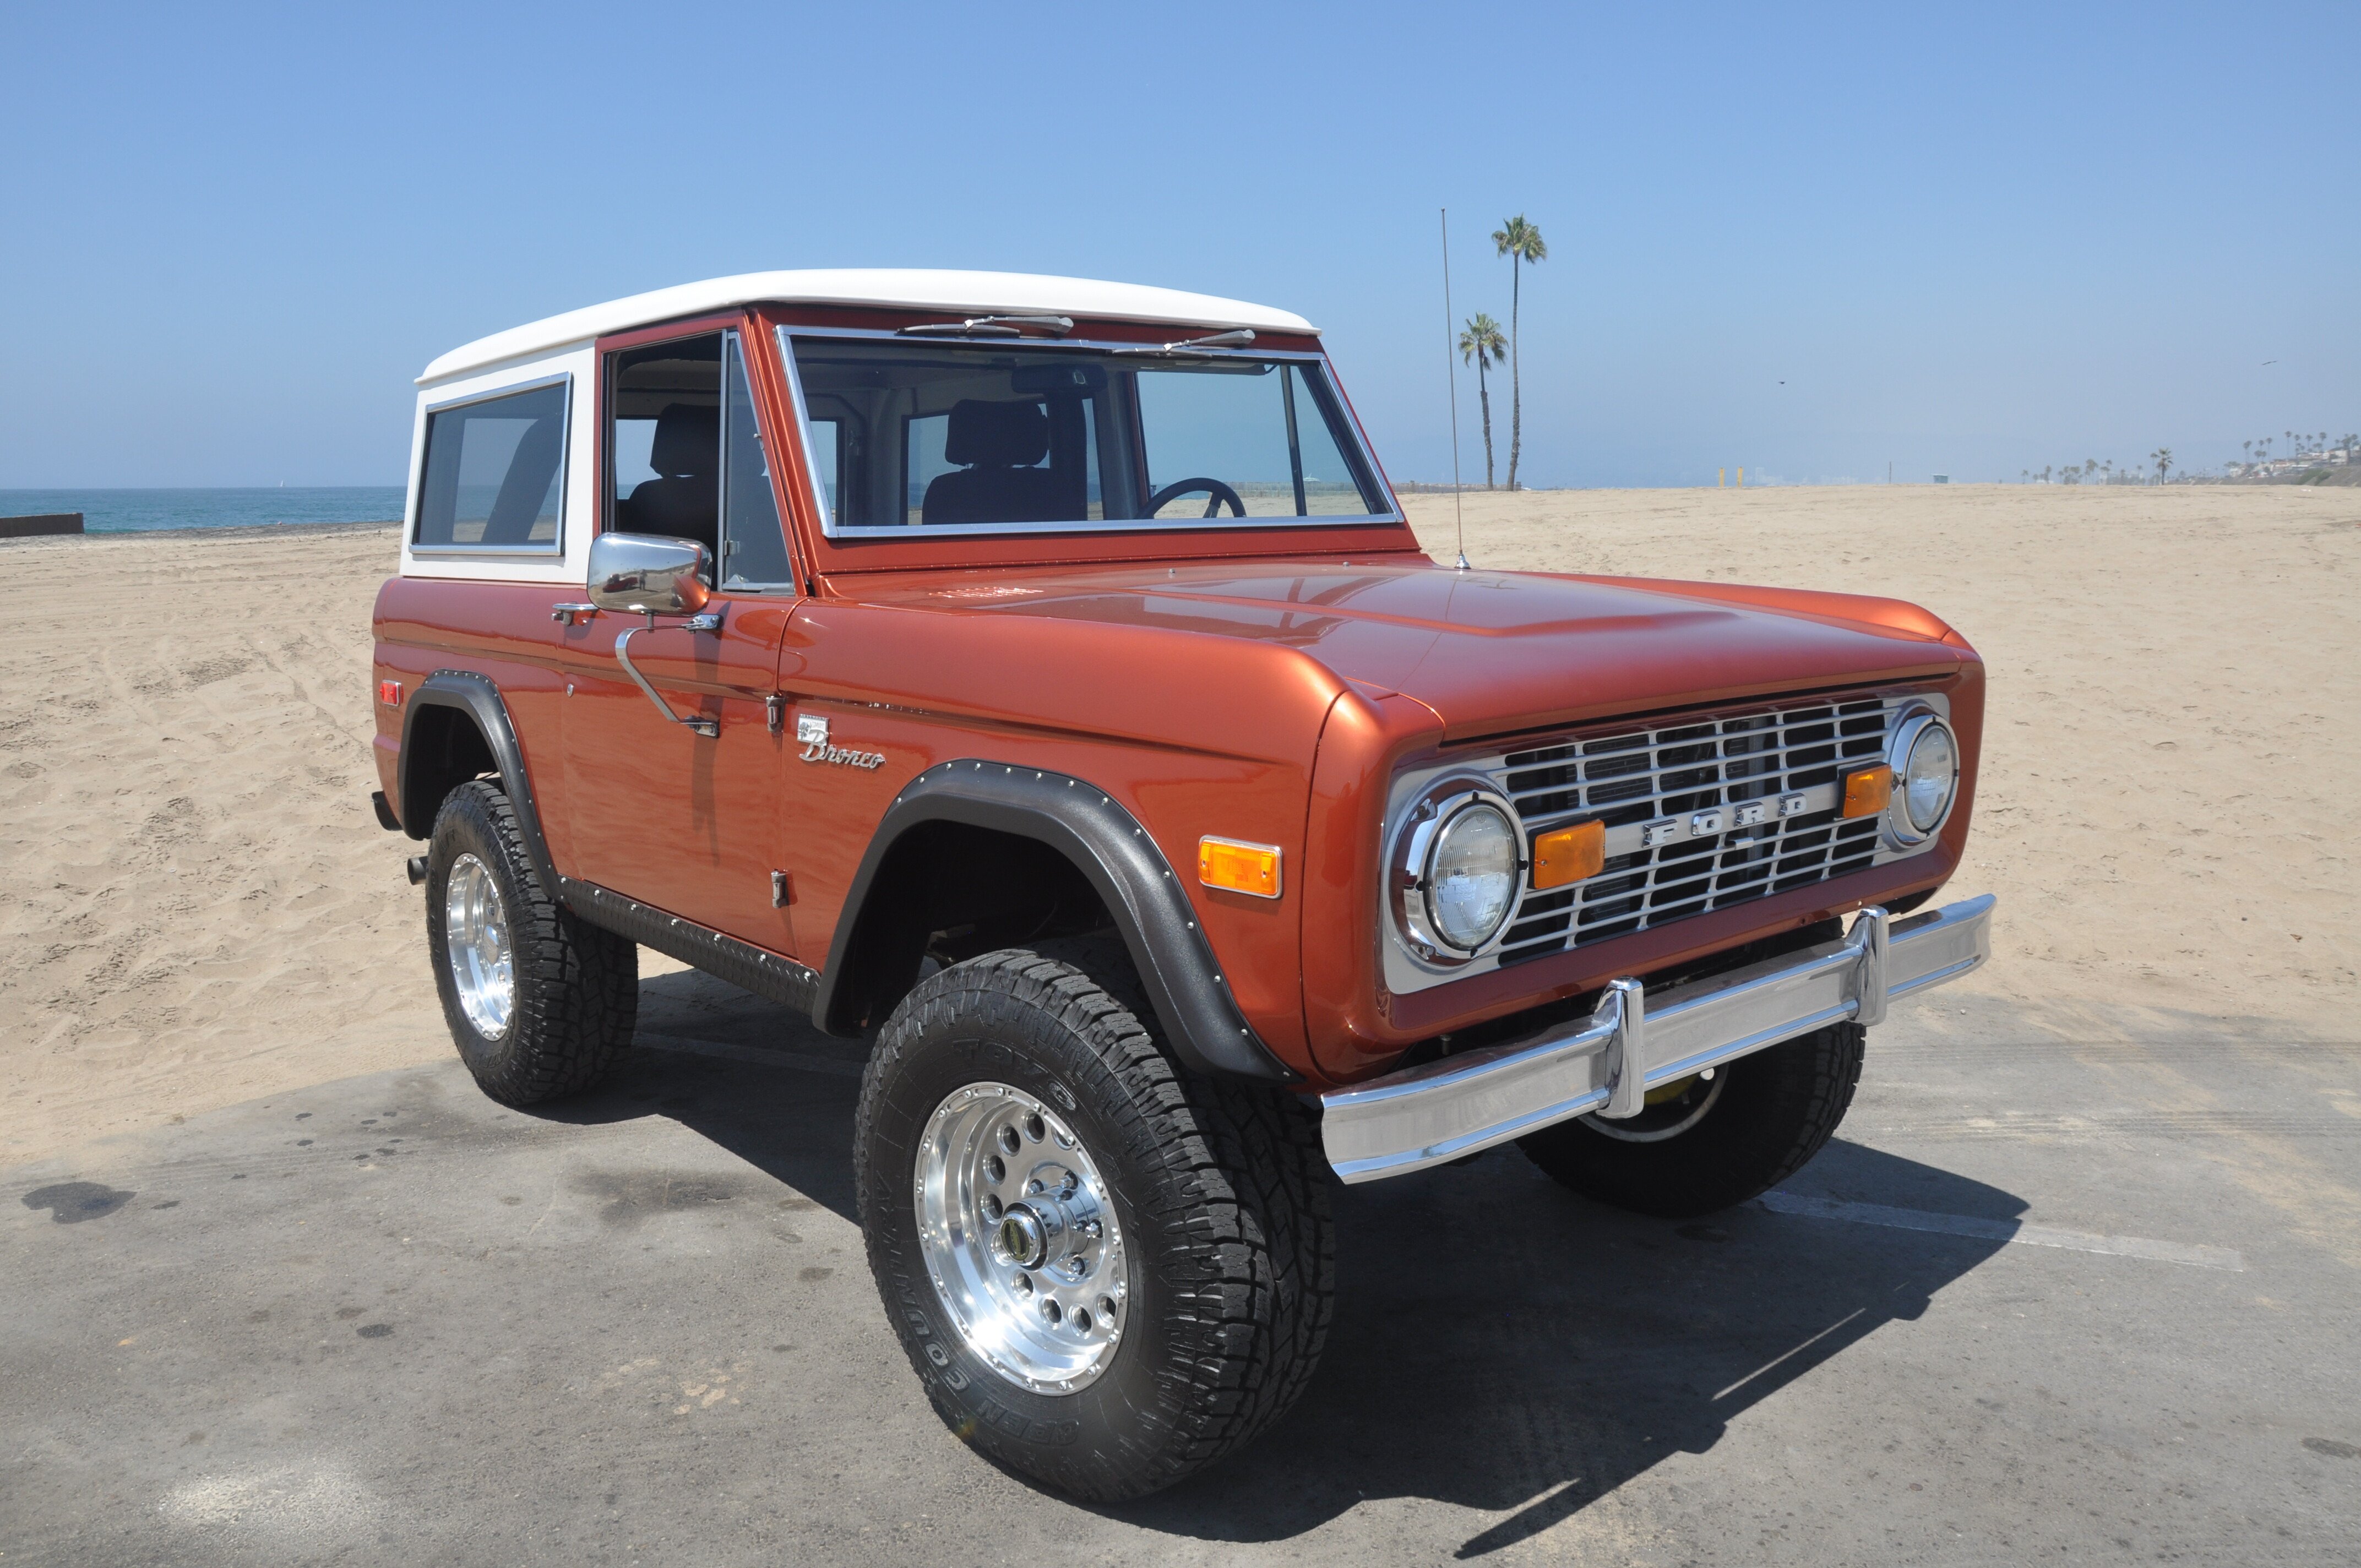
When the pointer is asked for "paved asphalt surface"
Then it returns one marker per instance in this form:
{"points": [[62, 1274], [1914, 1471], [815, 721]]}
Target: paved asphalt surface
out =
{"points": [[385, 1320]]}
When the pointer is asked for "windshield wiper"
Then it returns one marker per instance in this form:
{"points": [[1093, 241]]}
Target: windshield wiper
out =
{"points": [[1238, 339], [991, 326]]}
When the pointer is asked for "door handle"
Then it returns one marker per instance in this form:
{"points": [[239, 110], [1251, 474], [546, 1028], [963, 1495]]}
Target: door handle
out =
{"points": [[709, 621]]}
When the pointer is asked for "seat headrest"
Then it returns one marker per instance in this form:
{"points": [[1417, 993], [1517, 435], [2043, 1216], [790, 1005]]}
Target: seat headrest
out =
{"points": [[688, 441], [996, 436]]}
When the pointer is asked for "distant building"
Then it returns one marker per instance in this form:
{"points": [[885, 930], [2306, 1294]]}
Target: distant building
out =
{"points": [[1942, 479]]}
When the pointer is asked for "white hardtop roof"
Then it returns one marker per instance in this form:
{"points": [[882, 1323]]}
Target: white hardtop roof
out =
{"points": [[895, 288]]}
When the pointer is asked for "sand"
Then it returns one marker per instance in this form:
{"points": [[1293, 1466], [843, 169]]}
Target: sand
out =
{"points": [[201, 910]]}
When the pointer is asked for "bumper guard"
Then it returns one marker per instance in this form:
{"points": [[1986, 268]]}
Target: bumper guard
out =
{"points": [[1605, 1063]]}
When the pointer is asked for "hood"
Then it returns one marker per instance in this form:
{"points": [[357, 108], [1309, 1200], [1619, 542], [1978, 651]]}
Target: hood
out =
{"points": [[1487, 651]]}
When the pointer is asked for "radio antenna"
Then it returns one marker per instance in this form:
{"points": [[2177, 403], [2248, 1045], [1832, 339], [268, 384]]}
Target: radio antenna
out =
{"points": [[1451, 372]]}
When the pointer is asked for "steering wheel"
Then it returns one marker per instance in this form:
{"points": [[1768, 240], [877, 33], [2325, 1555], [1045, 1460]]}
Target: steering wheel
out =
{"points": [[1220, 493]]}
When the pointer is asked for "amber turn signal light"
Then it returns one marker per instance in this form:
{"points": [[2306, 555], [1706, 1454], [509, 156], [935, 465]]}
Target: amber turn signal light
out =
{"points": [[1569, 854], [1868, 791], [1235, 866]]}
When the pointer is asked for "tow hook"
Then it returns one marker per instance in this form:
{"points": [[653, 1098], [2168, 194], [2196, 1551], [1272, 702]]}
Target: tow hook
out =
{"points": [[416, 867]]}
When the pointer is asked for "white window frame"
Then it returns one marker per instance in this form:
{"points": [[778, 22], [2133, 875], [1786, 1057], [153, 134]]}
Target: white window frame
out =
{"points": [[566, 560]]}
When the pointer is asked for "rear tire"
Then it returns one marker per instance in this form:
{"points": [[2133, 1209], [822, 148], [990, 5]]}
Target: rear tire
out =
{"points": [[1213, 1247], [1721, 1143], [540, 1003]]}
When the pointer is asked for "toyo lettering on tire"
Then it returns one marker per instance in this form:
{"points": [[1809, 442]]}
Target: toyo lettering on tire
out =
{"points": [[539, 1001], [1106, 1271]]}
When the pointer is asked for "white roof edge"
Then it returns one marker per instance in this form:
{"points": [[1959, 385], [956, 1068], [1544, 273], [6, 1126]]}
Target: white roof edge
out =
{"points": [[894, 288]]}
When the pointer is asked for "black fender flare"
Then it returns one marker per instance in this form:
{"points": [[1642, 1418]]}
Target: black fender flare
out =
{"points": [[477, 696], [1108, 846]]}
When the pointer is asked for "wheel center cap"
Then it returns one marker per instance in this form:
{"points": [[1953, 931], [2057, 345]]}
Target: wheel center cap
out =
{"points": [[1025, 1236]]}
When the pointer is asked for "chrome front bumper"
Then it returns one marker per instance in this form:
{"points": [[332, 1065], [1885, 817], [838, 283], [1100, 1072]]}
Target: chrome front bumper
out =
{"points": [[1605, 1063]]}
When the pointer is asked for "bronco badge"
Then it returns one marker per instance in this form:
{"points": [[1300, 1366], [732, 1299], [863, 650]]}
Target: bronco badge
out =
{"points": [[811, 733]]}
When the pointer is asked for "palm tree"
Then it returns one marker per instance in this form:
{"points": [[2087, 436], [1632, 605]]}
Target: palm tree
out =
{"points": [[2162, 459], [1482, 345], [1521, 242]]}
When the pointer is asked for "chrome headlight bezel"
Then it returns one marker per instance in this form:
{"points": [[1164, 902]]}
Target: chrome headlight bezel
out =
{"points": [[1899, 831], [1410, 866]]}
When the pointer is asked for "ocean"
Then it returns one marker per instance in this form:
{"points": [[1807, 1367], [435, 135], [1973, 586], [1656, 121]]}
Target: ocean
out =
{"points": [[134, 511]]}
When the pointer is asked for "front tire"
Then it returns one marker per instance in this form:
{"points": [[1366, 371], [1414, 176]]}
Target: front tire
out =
{"points": [[1020, 1122], [1712, 1143], [540, 1003]]}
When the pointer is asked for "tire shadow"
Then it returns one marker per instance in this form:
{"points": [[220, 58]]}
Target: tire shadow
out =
{"points": [[791, 1120]]}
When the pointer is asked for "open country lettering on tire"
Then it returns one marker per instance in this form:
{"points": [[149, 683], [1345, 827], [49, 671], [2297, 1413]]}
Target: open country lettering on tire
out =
{"points": [[1182, 841]]}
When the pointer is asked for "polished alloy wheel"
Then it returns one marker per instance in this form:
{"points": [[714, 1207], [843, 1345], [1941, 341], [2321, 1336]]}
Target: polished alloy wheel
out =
{"points": [[1020, 1238], [475, 932], [1672, 1108]]}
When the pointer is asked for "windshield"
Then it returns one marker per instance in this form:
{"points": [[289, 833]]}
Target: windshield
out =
{"points": [[1000, 436]]}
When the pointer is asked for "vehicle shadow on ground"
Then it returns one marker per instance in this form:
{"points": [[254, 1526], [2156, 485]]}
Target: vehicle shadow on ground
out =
{"points": [[793, 1126], [1499, 1343], [1502, 1345]]}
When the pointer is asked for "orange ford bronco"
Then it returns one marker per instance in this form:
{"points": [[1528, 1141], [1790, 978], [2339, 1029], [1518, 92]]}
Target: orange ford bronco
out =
{"points": [[1037, 679]]}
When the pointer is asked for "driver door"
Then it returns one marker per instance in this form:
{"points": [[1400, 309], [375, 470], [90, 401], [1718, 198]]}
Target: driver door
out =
{"points": [[684, 821]]}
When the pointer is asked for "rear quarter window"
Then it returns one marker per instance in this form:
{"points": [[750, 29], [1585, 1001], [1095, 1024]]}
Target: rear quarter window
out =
{"points": [[494, 472]]}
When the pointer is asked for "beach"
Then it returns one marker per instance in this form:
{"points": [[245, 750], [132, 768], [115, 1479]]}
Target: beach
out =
{"points": [[202, 910]]}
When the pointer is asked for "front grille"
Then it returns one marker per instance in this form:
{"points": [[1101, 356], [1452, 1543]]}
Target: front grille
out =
{"points": [[1666, 777]]}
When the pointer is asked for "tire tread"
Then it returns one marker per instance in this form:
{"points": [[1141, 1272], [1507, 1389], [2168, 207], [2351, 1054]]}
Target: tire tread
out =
{"points": [[1241, 1195], [577, 984]]}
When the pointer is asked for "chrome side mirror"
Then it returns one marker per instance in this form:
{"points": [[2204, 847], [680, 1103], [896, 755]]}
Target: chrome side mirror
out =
{"points": [[649, 573], [652, 575]]}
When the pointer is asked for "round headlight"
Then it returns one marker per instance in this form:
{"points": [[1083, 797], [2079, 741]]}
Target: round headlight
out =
{"points": [[1471, 876], [1928, 777]]}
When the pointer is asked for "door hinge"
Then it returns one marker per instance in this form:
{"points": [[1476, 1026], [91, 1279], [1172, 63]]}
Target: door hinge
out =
{"points": [[783, 891], [775, 712]]}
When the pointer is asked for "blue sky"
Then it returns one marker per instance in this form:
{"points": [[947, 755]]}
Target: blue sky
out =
{"points": [[1812, 241]]}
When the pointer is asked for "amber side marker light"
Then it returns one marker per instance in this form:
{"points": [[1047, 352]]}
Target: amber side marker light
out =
{"points": [[1569, 854], [1235, 866], [1869, 791]]}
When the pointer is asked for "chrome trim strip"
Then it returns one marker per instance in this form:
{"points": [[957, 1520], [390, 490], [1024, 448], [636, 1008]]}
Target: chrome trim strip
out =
{"points": [[1440, 1110], [1100, 526], [733, 358], [1098, 345], [784, 341]]}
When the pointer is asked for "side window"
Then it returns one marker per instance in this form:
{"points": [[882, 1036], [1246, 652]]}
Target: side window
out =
{"points": [[924, 438], [839, 448], [495, 472], [827, 456], [664, 439], [753, 546]]}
